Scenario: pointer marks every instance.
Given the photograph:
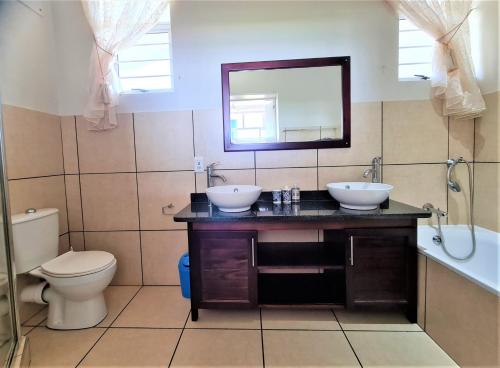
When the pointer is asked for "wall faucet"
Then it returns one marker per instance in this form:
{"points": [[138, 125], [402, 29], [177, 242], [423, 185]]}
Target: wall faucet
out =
{"points": [[211, 175], [374, 170]]}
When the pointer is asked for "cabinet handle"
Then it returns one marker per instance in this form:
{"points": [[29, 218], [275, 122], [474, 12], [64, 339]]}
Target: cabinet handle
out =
{"points": [[253, 252], [352, 251]]}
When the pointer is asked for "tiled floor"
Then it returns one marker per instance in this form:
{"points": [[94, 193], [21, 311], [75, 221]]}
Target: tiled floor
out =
{"points": [[149, 327]]}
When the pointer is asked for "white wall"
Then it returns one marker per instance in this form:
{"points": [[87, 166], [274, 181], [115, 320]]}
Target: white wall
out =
{"points": [[28, 62], [485, 44], [206, 34]]}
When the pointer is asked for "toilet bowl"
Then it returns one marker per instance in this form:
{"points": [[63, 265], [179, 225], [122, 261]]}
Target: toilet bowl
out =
{"points": [[73, 283]]}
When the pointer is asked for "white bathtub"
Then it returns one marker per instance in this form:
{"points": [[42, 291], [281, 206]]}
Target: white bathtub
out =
{"points": [[481, 269]]}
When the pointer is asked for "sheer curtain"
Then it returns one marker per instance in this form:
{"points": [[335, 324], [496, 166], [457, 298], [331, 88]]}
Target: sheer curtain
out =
{"points": [[116, 24], [454, 86]]}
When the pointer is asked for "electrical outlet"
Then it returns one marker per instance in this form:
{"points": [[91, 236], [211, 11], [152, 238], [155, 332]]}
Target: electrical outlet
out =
{"points": [[198, 164]]}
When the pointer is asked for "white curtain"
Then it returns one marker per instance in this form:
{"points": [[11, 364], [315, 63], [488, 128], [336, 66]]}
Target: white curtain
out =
{"points": [[116, 25], [454, 86]]}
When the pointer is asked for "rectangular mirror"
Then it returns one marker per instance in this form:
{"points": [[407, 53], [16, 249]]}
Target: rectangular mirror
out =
{"points": [[286, 104]]}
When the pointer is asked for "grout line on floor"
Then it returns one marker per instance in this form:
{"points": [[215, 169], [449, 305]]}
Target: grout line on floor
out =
{"points": [[126, 305], [179, 340], [345, 335], [106, 329]]}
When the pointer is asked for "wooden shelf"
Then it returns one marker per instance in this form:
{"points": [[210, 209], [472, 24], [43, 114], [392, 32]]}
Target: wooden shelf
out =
{"points": [[284, 257]]}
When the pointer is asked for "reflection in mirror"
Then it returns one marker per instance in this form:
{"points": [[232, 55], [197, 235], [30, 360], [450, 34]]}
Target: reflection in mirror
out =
{"points": [[286, 105]]}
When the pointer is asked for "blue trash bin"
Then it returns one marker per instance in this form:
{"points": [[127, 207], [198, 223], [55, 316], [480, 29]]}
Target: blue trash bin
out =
{"points": [[184, 275]]}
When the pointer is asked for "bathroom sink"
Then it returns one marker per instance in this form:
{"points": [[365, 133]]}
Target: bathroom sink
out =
{"points": [[234, 198], [359, 195]]}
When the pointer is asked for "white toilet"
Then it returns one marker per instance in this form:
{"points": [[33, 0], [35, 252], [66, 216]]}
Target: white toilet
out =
{"points": [[73, 282]]}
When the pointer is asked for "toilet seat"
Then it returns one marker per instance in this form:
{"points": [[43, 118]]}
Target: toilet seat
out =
{"points": [[74, 264]]}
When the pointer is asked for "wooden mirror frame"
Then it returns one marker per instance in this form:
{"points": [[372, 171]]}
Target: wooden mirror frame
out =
{"points": [[343, 61]]}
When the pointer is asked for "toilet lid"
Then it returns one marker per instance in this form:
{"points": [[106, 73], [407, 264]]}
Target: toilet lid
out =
{"points": [[72, 264]]}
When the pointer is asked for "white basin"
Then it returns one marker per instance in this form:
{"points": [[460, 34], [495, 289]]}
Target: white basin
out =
{"points": [[234, 198], [359, 195]]}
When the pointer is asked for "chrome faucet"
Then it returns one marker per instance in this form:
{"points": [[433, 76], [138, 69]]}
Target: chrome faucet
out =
{"points": [[374, 170], [211, 175], [437, 211]]}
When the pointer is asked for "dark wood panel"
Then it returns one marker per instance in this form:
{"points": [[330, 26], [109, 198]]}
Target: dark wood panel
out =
{"points": [[381, 271], [223, 269]]}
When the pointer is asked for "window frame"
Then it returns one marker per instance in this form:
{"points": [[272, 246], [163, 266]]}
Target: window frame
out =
{"points": [[414, 78], [158, 28]]}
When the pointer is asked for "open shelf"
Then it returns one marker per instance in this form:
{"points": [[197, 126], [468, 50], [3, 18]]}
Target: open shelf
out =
{"points": [[293, 256], [300, 289]]}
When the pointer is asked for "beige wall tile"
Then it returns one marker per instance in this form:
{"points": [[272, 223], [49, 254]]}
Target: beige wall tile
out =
{"points": [[63, 243], [418, 184], [290, 158], [161, 251], [164, 140], [110, 202], [305, 178], [414, 133], [459, 202], [461, 134], [125, 246], [127, 347], [339, 174], [70, 149], [473, 341], [232, 177], [74, 203], [77, 241], [487, 143], [109, 150], [422, 278], [32, 143], [209, 142], [157, 190], [366, 138], [288, 236], [487, 195], [307, 349], [39, 193]]}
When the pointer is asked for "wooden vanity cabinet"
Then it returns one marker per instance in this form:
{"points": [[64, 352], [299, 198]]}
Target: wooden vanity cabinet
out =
{"points": [[225, 269], [381, 268]]}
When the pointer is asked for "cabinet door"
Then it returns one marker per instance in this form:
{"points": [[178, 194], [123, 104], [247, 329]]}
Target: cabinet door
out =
{"points": [[381, 267], [224, 268]]}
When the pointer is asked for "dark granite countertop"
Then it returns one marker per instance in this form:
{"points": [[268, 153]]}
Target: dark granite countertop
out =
{"points": [[314, 206]]}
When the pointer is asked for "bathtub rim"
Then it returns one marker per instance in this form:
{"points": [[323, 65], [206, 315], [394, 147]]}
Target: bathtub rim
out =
{"points": [[423, 251]]}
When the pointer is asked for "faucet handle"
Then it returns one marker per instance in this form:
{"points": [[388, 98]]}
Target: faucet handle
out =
{"points": [[212, 165]]}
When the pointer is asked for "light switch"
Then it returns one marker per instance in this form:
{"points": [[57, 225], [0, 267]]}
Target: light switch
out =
{"points": [[199, 164]]}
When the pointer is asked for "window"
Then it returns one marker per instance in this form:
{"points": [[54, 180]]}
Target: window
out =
{"points": [[415, 52], [253, 119], [147, 65]]}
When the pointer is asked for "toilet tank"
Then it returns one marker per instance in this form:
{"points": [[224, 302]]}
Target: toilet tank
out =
{"points": [[36, 238]]}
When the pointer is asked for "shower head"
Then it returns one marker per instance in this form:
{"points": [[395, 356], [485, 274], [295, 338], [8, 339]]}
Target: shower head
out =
{"points": [[453, 184]]}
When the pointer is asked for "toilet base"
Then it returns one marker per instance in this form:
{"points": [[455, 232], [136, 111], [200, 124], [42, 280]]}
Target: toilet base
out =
{"points": [[66, 314]]}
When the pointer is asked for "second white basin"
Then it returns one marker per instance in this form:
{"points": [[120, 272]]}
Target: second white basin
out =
{"points": [[234, 198], [359, 195]]}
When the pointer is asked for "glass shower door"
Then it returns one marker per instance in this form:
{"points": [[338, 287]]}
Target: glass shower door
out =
{"points": [[8, 319]]}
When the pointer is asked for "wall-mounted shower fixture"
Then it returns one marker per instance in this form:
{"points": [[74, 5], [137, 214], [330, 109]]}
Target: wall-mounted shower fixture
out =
{"points": [[454, 186]]}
